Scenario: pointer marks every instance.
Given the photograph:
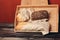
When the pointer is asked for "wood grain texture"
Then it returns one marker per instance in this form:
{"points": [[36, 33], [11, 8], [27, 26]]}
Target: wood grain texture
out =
{"points": [[34, 2], [53, 11]]}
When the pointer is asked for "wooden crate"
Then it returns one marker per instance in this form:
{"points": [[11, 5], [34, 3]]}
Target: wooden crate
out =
{"points": [[34, 2], [53, 11]]}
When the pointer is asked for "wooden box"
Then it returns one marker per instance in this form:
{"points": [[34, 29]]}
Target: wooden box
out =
{"points": [[53, 12]]}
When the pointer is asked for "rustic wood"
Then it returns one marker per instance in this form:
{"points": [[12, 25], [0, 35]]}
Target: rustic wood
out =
{"points": [[53, 11], [34, 2], [8, 32]]}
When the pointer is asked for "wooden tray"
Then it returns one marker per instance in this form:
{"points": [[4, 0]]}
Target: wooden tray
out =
{"points": [[53, 11]]}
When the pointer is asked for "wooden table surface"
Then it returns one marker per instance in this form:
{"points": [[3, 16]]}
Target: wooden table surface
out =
{"points": [[7, 30]]}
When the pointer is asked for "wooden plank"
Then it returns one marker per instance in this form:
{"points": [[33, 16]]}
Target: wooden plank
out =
{"points": [[10, 33], [34, 2], [6, 25]]}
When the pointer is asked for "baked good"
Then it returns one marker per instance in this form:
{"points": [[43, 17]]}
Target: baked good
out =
{"points": [[23, 15], [33, 21], [42, 14]]}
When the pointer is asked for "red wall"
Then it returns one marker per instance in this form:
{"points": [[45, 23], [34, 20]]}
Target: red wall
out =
{"points": [[7, 10], [55, 2], [8, 7]]}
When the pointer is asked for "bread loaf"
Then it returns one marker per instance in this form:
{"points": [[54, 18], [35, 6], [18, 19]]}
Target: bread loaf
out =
{"points": [[42, 14]]}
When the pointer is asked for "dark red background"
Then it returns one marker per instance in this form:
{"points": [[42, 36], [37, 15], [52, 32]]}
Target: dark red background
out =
{"points": [[8, 7]]}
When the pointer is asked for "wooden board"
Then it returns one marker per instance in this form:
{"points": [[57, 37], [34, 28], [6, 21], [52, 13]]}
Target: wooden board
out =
{"points": [[53, 11], [34, 2]]}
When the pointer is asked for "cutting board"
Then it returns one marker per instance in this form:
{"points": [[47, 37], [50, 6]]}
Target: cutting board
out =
{"points": [[53, 11], [40, 5], [34, 2]]}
